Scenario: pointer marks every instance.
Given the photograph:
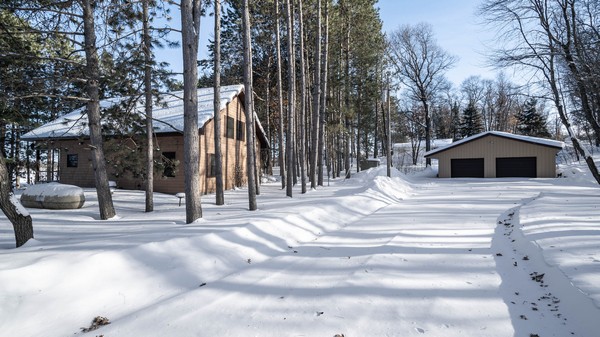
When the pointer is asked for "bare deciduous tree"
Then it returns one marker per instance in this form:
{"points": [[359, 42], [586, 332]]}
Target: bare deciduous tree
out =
{"points": [[538, 43], [421, 65]]}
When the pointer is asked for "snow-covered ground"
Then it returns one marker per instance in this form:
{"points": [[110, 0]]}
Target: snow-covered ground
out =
{"points": [[368, 256]]}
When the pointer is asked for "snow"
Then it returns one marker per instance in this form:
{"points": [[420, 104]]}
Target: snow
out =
{"points": [[53, 189], [20, 209], [435, 143], [167, 114], [365, 256]]}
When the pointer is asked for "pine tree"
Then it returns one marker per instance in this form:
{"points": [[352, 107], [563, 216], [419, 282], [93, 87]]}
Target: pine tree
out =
{"points": [[249, 109], [190, 31], [530, 122], [219, 193], [455, 128], [471, 123]]}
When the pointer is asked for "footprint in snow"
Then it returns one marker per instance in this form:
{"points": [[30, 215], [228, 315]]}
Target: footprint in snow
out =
{"points": [[419, 330]]}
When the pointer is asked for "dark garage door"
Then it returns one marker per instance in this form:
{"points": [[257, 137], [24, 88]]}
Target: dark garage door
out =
{"points": [[525, 167], [466, 168]]}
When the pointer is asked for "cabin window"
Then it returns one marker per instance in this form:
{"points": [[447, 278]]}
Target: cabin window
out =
{"points": [[240, 130], [211, 170], [72, 160], [169, 161], [229, 127]]}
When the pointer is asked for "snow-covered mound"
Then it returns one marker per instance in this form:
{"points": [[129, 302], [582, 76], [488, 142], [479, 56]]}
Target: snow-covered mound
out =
{"points": [[53, 196]]}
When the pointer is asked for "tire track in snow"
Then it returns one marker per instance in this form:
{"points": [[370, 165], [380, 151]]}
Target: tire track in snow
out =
{"points": [[541, 299]]}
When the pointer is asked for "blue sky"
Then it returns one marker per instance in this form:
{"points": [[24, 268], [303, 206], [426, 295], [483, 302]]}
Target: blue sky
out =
{"points": [[455, 26]]}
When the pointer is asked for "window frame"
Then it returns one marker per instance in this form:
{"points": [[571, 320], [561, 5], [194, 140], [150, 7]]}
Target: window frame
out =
{"points": [[72, 160], [211, 165], [169, 170], [241, 131], [229, 127]]}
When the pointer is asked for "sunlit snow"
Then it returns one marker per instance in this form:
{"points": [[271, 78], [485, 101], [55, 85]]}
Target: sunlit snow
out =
{"points": [[367, 256]]}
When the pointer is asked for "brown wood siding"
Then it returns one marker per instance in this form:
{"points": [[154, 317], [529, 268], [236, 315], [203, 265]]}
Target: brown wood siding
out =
{"points": [[83, 174], [233, 150], [492, 147]]}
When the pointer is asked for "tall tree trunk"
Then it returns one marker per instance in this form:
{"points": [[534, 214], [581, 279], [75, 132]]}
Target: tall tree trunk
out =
{"points": [[427, 129], [314, 132], [552, 81], [302, 114], [358, 127], [250, 158], [388, 132], [105, 202], [190, 32], [21, 221], [347, 135], [282, 160], [219, 193], [291, 99], [268, 114], [148, 108], [323, 105]]}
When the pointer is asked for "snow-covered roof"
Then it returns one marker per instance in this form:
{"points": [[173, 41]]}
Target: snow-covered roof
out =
{"points": [[528, 139], [435, 143], [167, 114]]}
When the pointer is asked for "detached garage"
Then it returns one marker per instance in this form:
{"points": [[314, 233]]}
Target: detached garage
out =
{"points": [[496, 154]]}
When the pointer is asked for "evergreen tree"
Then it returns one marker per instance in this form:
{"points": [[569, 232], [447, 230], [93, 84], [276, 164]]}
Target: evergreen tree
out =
{"points": [[455, 112], [471, 123], [530, 122], [249, 109], [219, 193], [190, 33]]}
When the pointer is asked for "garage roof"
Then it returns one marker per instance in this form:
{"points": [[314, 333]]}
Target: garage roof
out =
{"points": [[540, 141]]}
